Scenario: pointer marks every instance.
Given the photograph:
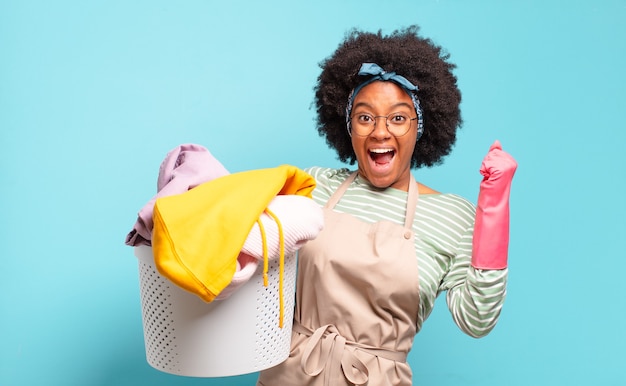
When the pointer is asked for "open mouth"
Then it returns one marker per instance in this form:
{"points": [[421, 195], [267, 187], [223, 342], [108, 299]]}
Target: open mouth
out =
{"points": [[382, 156]]}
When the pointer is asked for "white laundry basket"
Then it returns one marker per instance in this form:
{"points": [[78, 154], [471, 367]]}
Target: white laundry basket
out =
{"points": [[186, 336]]}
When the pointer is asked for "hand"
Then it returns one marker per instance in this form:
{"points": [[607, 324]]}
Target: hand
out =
{"points": [[498, 168], [491, 227]]}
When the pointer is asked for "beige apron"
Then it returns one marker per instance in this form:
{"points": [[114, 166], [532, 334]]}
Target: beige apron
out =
{"points": [[356, 303]]}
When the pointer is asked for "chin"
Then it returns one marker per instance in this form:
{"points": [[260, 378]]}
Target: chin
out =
{"points": [[381, 182], [379, 179]]}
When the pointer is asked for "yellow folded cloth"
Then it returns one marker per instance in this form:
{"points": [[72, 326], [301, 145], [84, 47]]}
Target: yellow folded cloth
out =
{"points": [[198, 234]]}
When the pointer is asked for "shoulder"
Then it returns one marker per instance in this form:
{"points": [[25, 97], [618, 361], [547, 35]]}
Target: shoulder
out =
{"points": [[328, 176], [327, 173], [423, 189], [448, 205], [445, 199], [327, 181]]}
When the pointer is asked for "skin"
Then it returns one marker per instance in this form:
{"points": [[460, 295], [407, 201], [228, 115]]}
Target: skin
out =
{"points": [[381, 98]]}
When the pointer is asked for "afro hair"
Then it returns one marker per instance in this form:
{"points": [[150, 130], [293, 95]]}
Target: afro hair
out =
{"points": [[408, 54]]}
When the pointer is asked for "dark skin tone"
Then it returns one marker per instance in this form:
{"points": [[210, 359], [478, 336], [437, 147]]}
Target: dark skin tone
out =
{"points": [[384, 160]]}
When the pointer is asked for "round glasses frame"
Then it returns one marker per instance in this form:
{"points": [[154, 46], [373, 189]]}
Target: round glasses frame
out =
{"points": [[398, 124]]}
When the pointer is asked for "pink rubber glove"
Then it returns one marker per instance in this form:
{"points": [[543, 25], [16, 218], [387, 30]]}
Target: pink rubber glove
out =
{"points": [[491, 229]]}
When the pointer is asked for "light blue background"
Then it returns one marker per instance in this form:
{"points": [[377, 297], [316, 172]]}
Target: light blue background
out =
{"points": [[94, 94]]}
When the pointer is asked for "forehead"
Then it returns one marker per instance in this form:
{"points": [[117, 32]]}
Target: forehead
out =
{"points": [[382, 94]]}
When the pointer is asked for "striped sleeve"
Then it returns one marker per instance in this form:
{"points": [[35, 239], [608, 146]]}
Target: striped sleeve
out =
{"points": [[474, 297]]}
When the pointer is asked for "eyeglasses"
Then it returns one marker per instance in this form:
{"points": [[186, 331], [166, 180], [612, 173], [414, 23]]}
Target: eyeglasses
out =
{"points": [[363, 125]]}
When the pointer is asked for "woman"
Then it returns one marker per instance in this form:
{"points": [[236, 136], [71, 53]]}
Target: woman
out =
{"points": [[390, 245]]}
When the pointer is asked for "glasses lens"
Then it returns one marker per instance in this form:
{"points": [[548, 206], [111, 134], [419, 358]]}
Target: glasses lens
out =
{"points": [[398, 124], [363, 124]]}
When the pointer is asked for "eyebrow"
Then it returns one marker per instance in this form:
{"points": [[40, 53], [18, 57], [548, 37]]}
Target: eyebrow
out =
{"points": [[364, 104]]}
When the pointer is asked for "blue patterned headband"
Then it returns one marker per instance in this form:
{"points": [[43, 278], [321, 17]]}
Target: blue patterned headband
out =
{"points": [[379, 74]]}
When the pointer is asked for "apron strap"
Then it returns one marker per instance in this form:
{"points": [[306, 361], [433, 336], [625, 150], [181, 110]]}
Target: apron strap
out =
{"points": [[411, 203], [334, 199]]}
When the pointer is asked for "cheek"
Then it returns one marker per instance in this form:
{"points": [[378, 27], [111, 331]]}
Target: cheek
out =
{"points": [[357, 145], [408, 146]]}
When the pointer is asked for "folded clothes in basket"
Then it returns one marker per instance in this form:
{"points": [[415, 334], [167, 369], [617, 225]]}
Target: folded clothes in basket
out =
{"points": [[198, 235], [298, 218], [183, 168], [257, 215]]}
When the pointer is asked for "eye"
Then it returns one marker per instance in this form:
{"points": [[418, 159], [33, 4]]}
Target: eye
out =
{"points": [[397, 119], [365, 119]]}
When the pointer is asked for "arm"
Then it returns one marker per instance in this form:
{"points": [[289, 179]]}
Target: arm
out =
{"points": [[475, 297], [476, 281]]}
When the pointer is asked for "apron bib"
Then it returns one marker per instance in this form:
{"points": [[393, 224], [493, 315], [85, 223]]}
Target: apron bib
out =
{"points": [[357, 303]]}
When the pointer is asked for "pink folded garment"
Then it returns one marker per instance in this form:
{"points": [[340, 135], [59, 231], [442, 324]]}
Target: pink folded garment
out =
{"points": [[183, 168], [301, 219], [246, 267]]}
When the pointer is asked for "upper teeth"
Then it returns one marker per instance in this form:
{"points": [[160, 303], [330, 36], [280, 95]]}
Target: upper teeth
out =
{"points": [[381, 150]]}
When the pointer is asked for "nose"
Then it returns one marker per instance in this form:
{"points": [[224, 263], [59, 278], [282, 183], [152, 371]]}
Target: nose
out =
{"points": [[381, 130]]}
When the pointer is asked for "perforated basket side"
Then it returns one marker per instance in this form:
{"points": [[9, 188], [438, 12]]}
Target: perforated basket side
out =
{"points": [[158, 319], [186, 336], [272, 342]]}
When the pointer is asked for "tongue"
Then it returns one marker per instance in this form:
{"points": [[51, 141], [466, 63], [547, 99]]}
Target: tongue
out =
{"points": [[382, 158]]}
